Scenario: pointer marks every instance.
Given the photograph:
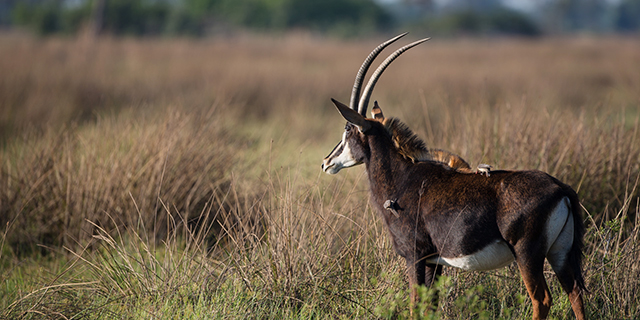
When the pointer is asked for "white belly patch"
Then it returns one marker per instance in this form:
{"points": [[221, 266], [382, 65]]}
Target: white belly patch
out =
{"points": [[494, 256]]}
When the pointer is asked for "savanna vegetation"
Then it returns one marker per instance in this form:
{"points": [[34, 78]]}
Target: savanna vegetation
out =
{"points": [[180, 179]]}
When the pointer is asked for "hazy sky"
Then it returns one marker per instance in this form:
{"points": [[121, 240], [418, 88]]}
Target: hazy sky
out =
{"points": [[523, 5], [516, 4], [526, 5]]}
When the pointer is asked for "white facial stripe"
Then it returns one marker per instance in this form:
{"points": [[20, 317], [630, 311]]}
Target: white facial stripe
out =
{"points": [[344, 159], [494, 256]]}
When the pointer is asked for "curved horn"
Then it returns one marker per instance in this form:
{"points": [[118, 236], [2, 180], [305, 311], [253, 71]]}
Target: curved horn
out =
{"points": [[357, 85], [364, 100]]}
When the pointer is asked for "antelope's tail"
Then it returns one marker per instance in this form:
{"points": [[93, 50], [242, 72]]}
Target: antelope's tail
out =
{"points": [[575, 253]]}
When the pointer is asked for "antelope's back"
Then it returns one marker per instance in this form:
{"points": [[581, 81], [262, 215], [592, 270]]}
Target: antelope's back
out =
{"points": [[507, 195]]}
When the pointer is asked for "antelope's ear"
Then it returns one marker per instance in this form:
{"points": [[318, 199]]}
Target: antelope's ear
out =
{"points": [[376, 112], [352, 116]]}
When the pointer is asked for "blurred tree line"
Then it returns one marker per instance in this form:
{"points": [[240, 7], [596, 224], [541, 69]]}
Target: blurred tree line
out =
{"points": [[523, 17], [196, 17], [338, 17]]}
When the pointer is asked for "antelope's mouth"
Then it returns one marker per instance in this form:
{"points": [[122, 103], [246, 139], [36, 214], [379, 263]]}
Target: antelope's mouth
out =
{"points": [[326, 168]]}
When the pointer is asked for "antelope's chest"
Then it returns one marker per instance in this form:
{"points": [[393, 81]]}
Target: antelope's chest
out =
{"points": [[493, 256]]}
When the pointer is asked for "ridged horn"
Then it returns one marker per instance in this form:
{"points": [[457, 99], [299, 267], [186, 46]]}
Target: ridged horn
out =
{"points": [[357, 85], [366, 95]]}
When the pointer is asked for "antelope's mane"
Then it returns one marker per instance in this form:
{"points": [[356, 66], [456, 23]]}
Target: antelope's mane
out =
{"points": [[411, 147]]}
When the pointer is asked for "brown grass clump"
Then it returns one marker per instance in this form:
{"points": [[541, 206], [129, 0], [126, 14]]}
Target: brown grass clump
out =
{"points": [[114, 172]]}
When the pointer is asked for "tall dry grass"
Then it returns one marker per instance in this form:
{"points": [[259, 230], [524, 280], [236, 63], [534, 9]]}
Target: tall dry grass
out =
{"points": [[181, 173]]}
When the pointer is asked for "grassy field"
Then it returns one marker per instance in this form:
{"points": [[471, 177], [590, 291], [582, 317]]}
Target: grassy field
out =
{"points": [[180, 179]]}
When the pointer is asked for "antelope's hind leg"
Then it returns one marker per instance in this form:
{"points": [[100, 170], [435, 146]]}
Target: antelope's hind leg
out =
{"points": [[565, 266], [571, 288], [531, 270]]}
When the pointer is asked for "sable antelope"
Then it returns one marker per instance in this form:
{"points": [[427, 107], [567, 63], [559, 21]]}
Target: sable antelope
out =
{"points": [[439, 216]]}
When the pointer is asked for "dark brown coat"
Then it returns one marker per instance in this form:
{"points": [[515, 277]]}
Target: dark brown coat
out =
{"points": [[440, 211]]}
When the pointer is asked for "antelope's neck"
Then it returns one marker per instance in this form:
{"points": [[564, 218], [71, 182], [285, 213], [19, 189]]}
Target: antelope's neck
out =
{"points": [[387, 171]]}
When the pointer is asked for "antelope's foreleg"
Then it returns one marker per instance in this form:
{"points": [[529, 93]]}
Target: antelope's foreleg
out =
{"points": [[416, 274], [419, 274], [432, 272]]}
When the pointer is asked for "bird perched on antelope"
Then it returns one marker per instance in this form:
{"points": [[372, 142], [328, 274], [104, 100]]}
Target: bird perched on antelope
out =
{"points": [[484, 169]]}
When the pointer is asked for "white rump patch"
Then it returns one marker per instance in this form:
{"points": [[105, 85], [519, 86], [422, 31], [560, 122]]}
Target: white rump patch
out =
{"points": [[559, 234], [494, 256]]}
